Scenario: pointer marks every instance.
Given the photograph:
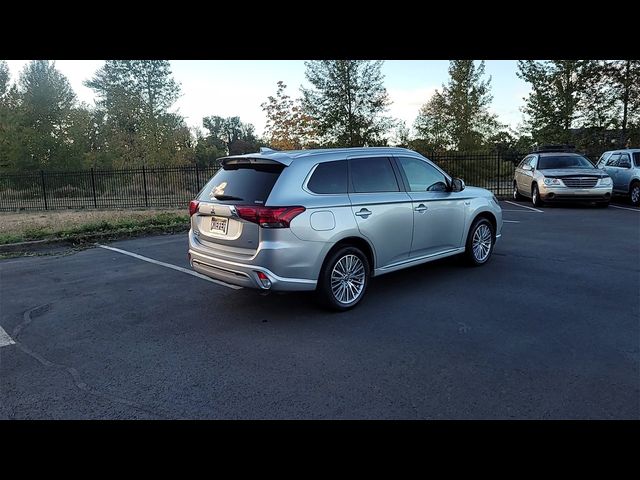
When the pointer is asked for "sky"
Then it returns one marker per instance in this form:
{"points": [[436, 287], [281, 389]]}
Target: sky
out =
{"points": [[238, 87]]}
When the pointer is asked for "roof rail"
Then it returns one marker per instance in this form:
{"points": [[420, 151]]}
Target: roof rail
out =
{"points": [[554, 148]]}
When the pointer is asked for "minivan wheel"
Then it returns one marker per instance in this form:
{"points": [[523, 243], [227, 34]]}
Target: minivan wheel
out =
{"points": [[516, 194], [480, 242], [535, 197], [344, 279]]}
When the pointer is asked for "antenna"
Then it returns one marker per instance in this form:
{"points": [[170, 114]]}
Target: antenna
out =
{"points": [[266, 150]]}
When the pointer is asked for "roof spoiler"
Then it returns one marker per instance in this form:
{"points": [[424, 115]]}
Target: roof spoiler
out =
{"points": [[266, 156]]}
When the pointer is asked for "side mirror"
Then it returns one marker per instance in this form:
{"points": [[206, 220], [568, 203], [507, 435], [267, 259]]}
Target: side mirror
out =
{"points": [[527, 167], [457, 185]]}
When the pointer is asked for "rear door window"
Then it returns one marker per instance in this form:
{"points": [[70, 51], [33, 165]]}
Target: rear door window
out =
{"points": [[241, 183], [329, 177], [624, 161], [372, 175], [636, 158]]}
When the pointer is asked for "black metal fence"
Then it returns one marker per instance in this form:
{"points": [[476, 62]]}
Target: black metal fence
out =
{"points": [[102, 189], [175, 186], [493, 171]]}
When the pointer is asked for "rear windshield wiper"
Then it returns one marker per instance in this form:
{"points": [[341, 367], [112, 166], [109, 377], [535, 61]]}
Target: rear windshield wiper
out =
{"points": [[227, 197]]}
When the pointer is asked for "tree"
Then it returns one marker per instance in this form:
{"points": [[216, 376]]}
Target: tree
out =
{"points": [[207, 149], [230, 136], [459, 117], [136, 96], [558, 87], [4, 78], [288, 127], [44, 110], [624, 78], [401, 134], [467, 98], [347, 101], [597, 109], [432, 124], [9, 128]]}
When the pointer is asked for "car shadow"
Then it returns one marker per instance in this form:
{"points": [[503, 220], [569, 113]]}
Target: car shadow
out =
{"points": [[388, 291]]}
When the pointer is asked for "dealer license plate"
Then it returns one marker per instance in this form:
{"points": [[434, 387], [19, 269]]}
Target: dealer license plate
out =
{"points": [[219, 225]]}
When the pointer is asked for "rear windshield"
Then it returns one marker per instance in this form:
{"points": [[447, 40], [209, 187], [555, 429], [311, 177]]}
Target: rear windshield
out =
{"points": [[241, 183], [563, 161]]}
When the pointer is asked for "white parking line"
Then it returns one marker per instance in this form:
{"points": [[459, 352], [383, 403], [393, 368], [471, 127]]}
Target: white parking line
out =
{"points": [[168, 265], [5, 339], [625, 208], [511, 221], [512, 210], [524, 206]]}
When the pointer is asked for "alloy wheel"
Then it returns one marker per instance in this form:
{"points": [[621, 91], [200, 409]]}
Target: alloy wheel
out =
{"points": [[481, 243], [347, 279]]}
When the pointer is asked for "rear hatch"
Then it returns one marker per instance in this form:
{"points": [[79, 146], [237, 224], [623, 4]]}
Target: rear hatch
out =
{"points": [[239, 183]]}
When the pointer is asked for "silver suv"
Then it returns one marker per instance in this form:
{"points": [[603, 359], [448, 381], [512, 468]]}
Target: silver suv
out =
{"points": [[328, 220], [623, 166]]}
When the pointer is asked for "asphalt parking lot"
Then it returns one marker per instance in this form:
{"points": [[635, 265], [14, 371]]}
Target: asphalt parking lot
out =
{"points": [[548, 329]]}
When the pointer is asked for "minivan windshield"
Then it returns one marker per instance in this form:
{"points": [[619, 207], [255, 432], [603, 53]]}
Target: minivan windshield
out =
{"points": [[563, 161]]}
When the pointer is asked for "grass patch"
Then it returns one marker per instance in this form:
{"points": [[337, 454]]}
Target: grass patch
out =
{"points": [[118, 226]]}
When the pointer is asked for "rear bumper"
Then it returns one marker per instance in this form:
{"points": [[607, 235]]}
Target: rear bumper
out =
{"points": [[596, 194], [241, 273]]}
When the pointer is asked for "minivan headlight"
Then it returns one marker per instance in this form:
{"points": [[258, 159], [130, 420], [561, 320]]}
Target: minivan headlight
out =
{"points": [[604, 181], [553, 182]]}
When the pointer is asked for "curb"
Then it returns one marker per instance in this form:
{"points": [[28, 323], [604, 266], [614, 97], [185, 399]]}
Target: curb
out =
{"points": [[35, 245]]}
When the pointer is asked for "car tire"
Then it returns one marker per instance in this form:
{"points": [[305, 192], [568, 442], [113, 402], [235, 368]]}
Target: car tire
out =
{"points": [[634, 194], [481, 236], [344, 270], [535, 196], [516, 194]]}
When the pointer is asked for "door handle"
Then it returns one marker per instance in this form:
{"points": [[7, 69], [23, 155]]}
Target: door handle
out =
{"points": [[421, 208], [364, 213]]}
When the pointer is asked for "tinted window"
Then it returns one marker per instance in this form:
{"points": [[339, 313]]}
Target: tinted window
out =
{"points": [[248, 184], [636, 158], [329, 177], [563, 161], [422, 177], [613, 160], [372, 175], [624, 161]]}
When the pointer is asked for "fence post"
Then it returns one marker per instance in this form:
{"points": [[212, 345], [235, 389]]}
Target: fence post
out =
{"points": [[499, 177], [93, 186], [44, 190], [144, 182], [197, 179]]}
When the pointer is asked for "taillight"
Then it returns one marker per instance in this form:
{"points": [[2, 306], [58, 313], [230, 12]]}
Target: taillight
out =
{"points": [[269, 217], [193, 207]]}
